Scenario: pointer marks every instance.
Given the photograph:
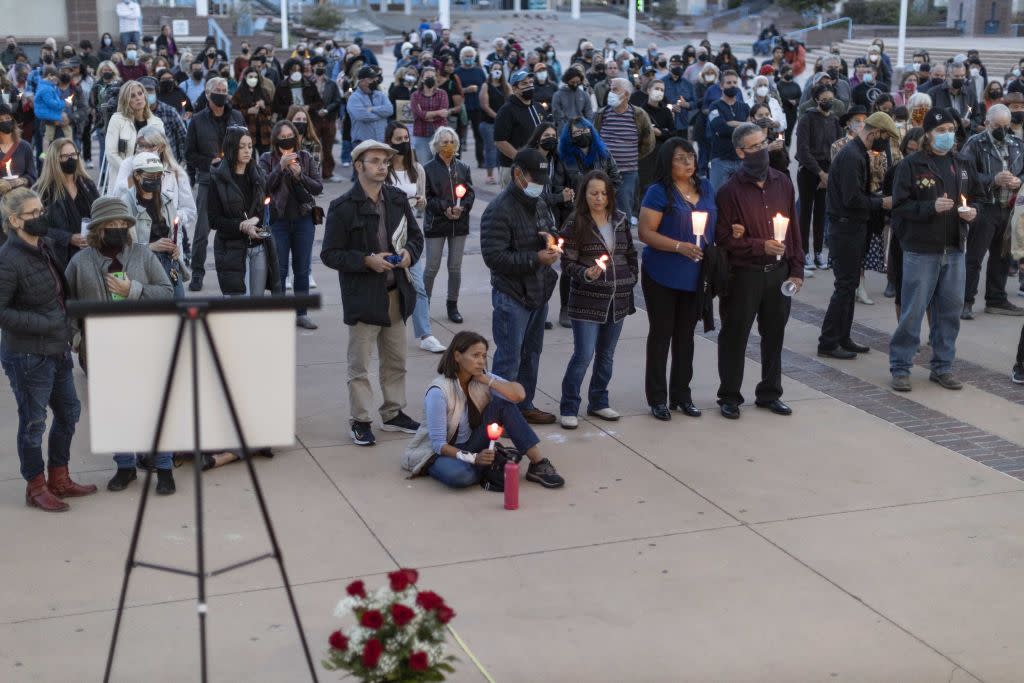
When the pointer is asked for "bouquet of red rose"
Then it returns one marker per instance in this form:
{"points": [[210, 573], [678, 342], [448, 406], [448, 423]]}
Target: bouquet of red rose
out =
{"points": [[398, 636]]}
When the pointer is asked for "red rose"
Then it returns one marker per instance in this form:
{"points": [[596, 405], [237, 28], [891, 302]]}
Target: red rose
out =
{"points": [[372, 619], [402, 579], [372, 652], [356, 589], [338, 641], [445, 614], [429, 600], [401, 614], [418, 661]]}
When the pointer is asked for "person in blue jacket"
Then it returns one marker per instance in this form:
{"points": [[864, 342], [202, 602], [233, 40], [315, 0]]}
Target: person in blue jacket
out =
{"points": [[724, 115], [49, 107], [679, 93]]}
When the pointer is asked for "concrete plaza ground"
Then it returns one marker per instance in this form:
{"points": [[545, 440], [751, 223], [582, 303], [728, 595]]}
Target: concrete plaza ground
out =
{"points": [[861, 539]]}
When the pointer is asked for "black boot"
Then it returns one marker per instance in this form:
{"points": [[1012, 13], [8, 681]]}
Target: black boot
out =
{"points": [[120, 481], [165, 482], [196, 283], [453, 312]]}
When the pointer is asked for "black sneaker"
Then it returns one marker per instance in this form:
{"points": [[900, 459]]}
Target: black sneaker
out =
{"points": [[196, 283], [1018, 374], [123, 477], [362, 435], [544, 473], [165, 483], [401, 423]]}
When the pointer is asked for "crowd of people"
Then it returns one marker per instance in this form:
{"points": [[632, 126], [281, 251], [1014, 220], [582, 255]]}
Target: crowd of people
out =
{"points": [[912, 172]]}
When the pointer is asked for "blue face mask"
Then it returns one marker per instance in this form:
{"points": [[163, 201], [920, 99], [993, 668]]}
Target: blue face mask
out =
{"points": [[943, 142]]}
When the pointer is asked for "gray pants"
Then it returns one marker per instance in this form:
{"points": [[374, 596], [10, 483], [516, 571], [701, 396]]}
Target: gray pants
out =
{"points": [[202, 233], [391, 347], [435, 247], [256, 271]]}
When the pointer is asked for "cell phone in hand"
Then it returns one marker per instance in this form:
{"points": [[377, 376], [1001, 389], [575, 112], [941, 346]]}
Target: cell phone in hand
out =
{"points": [[393, 259]]}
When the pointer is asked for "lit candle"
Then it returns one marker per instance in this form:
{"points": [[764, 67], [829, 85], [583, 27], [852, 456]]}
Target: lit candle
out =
{"points": [[266, 212], [9, 170], [460, 192], [183, 102], [602, 263], [494, 432], [780, 224], [963, 201], [700, 221], [174, 235], [558, 245], [69, 99]]}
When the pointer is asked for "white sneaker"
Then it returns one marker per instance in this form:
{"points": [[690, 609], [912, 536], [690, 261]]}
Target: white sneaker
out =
{"points": [[605, 414], [431, 344], [808, 261], [863, 298], [569, 421], [312, 282], [288, 284]]}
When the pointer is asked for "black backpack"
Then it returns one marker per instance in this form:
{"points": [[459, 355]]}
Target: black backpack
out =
{"points": [[493, 478]]}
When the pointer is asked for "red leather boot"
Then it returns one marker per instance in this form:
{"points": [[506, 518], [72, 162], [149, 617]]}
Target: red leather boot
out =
{"points": [[38, 495], [61, 485]]}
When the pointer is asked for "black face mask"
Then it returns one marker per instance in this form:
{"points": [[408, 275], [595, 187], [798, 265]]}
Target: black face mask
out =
{"points": [[150, 184], [833, 74], [107, 76], [319, 72], [115, 239], [286, 143], [878, 145], [47, 59], [401, 147], [677, 71], [64, 78], [68, 166], [166, 86], [430, 81], [999, 134], [6, 127], [583, 140], [995, 94], [301, 127], [755, 164], [937, 81], [526, 94], [957, 83], [197, 75], [218, 99], [825, 105], [1017, 117], [549, 144], [36, 226]]}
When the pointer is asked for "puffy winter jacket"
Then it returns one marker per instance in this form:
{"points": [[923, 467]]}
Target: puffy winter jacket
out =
{"points": [[32, 315]]}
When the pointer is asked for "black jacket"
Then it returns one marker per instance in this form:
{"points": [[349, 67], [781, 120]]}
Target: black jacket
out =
{"points": [[32, 315], [815, 134], [983, 156], [441, 181], [849, 199], [331, 101], [226, 209], [283, 97], [916, 186], [64, 221], [509, 241], [205, 137], [941, 97], [514, 124], [350, 234]]}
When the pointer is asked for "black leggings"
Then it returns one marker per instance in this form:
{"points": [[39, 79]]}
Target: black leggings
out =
{"points": [[812, 207]]}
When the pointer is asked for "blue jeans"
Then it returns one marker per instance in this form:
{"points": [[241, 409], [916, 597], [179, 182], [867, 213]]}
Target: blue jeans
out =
{"points": [[721, 171], [457, 474], [932, 282], [490, 150], [346, 151], [626, 194], [37, 382], [422, 148], [126, 461], [589, 339], [165, 260], [295, 238], [420, 314], [518, 339]]}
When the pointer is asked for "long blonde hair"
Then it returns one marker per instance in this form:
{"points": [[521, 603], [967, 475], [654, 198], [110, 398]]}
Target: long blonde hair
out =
{"points": [[50, 185], [155, 137], [124, 100]]}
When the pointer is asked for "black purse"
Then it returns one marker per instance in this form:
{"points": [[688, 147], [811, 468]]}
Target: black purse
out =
{"points": [[493, 478]]}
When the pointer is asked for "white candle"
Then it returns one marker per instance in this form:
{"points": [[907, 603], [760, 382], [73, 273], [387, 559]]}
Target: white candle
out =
{"points": [[780, 224], [460, 192], [9, 170], [700, 221], [602, 262], [558, 245]]}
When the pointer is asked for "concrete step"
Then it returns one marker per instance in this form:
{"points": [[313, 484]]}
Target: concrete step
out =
{"points": [[998, 59]]}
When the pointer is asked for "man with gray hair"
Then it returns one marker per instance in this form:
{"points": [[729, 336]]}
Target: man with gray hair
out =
{"points": [[203, 150], [998, 159], [627, 133]]}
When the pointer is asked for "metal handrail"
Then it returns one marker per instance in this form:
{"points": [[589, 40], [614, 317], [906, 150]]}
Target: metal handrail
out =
{"points": [[221, 38], [818, 27]]}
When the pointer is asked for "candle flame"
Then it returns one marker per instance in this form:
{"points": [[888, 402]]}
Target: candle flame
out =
{"points": [[8, 169], [69, 99], [602, 262], [963, 200], [494, 431], [460, 190], [266, 202]]}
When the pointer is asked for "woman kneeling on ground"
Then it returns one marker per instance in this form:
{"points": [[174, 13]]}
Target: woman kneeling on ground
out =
{"points": [[451, 445]]}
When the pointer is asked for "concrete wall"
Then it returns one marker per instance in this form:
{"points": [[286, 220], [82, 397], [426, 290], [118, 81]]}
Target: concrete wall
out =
{"points": [[34, 21], [975, 13]]}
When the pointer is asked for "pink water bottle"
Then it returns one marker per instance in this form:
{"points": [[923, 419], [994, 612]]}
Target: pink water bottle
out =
{"points": [[511, 485]]}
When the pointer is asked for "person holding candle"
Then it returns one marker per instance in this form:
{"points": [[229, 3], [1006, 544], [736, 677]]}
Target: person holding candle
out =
{"points": [[933, 232], [17, 161], [447, 215], [601, 263], [293, 183], [453, 445], [671, 214], [850, 203], [133, 113], [744, 231], [67, 192]]}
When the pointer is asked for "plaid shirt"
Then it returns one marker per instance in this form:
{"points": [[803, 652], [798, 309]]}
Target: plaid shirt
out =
{"points": [[174, 129], [421, 104]]}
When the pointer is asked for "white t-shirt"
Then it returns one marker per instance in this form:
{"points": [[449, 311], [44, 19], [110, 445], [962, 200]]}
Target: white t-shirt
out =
{"points": [[403, 183]]}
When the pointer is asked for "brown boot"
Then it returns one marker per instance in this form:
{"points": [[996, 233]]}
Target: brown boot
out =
{"points": [[37, 495], [61, 485]]}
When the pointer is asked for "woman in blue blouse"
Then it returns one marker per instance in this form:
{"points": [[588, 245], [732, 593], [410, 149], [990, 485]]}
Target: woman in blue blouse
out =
{"points": [[671, 272]]}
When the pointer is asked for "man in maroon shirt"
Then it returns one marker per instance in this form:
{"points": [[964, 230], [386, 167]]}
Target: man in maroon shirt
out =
{"points": [[760, 266]]}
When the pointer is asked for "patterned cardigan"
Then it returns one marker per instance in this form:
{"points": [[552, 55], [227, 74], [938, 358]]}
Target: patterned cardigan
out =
{"points": [[608, 299]]}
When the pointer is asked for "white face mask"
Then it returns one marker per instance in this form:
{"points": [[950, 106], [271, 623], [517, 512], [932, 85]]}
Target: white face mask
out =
{"points": [[319, 50], [252, 81], [496, 75], [975, 73], [761, 91], [296, 76], [873, 57], [541, 76], [534, 190], [656, 95], [710, 78], [614, 100]]}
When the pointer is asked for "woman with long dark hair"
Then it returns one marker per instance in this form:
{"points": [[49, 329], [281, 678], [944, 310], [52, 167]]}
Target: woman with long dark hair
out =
{"points": [[601, 264], [671, 273], [452, 442], [254, 98]]}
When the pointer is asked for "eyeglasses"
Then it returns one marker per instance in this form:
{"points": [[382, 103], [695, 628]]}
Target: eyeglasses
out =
{"points": [[683, 158], [376, 162], [29, 216], [756, 148], [67, 157]]}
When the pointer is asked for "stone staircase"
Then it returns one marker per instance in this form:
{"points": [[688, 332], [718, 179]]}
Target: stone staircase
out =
{"points": [[997, 54]]}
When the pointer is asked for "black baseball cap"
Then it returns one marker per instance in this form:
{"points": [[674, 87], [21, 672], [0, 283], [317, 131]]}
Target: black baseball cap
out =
{"points": [[534, 163]]}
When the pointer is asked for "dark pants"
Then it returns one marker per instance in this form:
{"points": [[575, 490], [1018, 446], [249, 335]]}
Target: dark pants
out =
{"points": [[326, 129], [87, 140], [986, 236], [518, 340], [563, 291], [846, 247], [37, 382], [458, 474], [1020, 349], [812, 210], [753, 293], [672, 316], [478, 138], [294, 238], [202, 233]]}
